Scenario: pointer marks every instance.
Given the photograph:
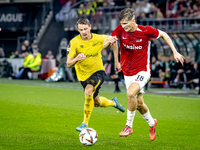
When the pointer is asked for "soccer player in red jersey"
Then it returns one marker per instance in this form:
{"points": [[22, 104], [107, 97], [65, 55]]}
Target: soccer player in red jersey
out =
{"points": [[134, 43]]}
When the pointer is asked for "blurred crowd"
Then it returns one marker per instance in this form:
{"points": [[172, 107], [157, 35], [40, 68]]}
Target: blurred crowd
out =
{"points": [[30, 49], [32, 61], [174, 74], [143, 8]]}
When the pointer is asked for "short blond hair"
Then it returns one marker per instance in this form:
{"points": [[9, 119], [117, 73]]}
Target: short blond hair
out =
{"points": [[127, 14], [84, 21]]}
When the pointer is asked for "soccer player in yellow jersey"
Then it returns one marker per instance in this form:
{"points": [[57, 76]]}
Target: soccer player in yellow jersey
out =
{"points": [[85, 53]]}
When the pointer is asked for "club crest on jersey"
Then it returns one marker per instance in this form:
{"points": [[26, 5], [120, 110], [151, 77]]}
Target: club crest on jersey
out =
{"points": [[94, 44], [92, 81], [139, 40], [132, 47]]}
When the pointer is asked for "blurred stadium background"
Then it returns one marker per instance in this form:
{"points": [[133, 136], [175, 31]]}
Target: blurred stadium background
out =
{"points": [[46, 22], [51, 24]]}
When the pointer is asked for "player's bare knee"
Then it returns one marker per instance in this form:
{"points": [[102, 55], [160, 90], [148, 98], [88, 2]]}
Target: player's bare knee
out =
{"points": [[130, 94], [88, 92]]}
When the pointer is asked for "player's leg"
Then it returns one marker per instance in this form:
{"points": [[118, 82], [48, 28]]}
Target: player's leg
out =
{"points": [[100, 101], [91, 86], [88, 106], [131, 108], [89, 102], [104, 102], [144, 111], [134, 85]]}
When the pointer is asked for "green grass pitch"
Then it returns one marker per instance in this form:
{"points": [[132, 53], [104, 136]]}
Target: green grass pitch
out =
{"points": [[40, 117]]}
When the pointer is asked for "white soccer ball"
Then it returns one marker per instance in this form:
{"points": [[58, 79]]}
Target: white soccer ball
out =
{"points": [[88, 136]]}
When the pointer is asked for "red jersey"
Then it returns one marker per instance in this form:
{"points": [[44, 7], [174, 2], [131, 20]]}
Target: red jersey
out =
{"points": [[135, 48]]}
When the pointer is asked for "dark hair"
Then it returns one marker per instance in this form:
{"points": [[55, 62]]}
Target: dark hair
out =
{"points": [[127, 14], [84, 21]]}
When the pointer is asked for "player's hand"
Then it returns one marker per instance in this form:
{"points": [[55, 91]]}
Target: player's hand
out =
{"points": [[178, 57], [112, 39], [80, 56], [118, 67]]}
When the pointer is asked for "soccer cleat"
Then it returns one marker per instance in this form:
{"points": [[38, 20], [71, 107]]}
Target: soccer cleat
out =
{"points": [[118, 105], [126, 131], [152, 131], [81, 127]]}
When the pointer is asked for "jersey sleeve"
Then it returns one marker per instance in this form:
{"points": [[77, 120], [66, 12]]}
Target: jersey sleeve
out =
{"points": [[116, 32], [71, 48], [152, 33]]}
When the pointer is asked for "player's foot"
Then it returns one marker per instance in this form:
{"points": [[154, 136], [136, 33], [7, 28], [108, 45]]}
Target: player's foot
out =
{"points": [[152, 131], [126, 131], [81, 127], [118, 105]]}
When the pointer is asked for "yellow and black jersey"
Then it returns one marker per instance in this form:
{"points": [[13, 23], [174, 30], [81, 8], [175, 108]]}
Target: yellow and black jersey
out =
{"points": [[92, 50]]}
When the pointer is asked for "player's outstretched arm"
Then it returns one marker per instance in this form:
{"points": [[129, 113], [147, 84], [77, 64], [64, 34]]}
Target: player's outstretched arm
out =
{"points": [[72, 61], [115, 52], [178, 57], [109, 41]]}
